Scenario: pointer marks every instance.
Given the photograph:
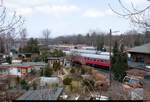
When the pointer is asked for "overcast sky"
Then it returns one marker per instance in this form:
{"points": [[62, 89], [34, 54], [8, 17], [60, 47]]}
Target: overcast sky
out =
{"points": [[66, 17]]}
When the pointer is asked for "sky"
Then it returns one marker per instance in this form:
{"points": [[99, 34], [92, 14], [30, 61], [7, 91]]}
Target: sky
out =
{"points": [[67, 17]]}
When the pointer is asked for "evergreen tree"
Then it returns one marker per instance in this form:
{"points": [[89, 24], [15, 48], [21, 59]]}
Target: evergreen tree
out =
{"points": [[57, 53], [31, 47], [42, 72], [44, 55], [56, 66], [67, 81], [9, 60], [24, 84], [119, 62], [72, 70], [100, 43], [48, 72]]}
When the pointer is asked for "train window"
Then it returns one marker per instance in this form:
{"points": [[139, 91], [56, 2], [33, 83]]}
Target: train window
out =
{"points": [[102, 60], [94, 59]]}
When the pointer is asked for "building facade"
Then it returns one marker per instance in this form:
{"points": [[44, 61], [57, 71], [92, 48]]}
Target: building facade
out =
{"points": [[140, 57]]}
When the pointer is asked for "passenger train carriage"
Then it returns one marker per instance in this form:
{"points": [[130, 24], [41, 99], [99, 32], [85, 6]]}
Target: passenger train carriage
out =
{"points": [[91, 57]]}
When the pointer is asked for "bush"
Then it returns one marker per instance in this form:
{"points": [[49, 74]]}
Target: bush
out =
{"points": [[67, 81], [72, 70], [82, 70], [24, 84], [9, 60], [48, 72]]}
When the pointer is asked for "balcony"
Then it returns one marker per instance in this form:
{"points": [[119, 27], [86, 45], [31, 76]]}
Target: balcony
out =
{"points": [[139, 65]]}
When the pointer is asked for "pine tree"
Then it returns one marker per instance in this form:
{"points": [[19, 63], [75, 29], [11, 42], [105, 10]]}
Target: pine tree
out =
{"points": [[119, 62], [31, 47], [9, 60], [48, 72], [100, 43], [56, 66]]}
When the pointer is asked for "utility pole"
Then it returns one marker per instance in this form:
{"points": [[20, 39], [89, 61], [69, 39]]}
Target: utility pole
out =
{"points": [[110, 33], [110, 56]]}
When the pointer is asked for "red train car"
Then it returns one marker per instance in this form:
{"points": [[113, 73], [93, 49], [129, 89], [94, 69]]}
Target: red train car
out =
{"points": [[93, 58]]}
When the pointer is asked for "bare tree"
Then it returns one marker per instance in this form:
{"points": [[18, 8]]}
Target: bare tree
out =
{"points": [[10, 26], [136, 16], [23, 35], [46, 34]]}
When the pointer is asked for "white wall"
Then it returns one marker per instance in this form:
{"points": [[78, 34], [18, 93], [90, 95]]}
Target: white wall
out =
{"points": [[48, 80], [14, 71], [16, 61]]}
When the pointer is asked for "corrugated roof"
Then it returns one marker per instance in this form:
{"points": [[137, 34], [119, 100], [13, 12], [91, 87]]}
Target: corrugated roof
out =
{"points": [[83, 51], [141, 49], [105, 57], [43, 94]]}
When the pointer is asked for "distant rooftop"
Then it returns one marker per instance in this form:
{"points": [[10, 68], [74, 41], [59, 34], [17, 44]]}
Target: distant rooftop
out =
{"points": [[55, 58], [24, 53], [24, 64], [42, 94], [34, 63], [141, 49]]}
